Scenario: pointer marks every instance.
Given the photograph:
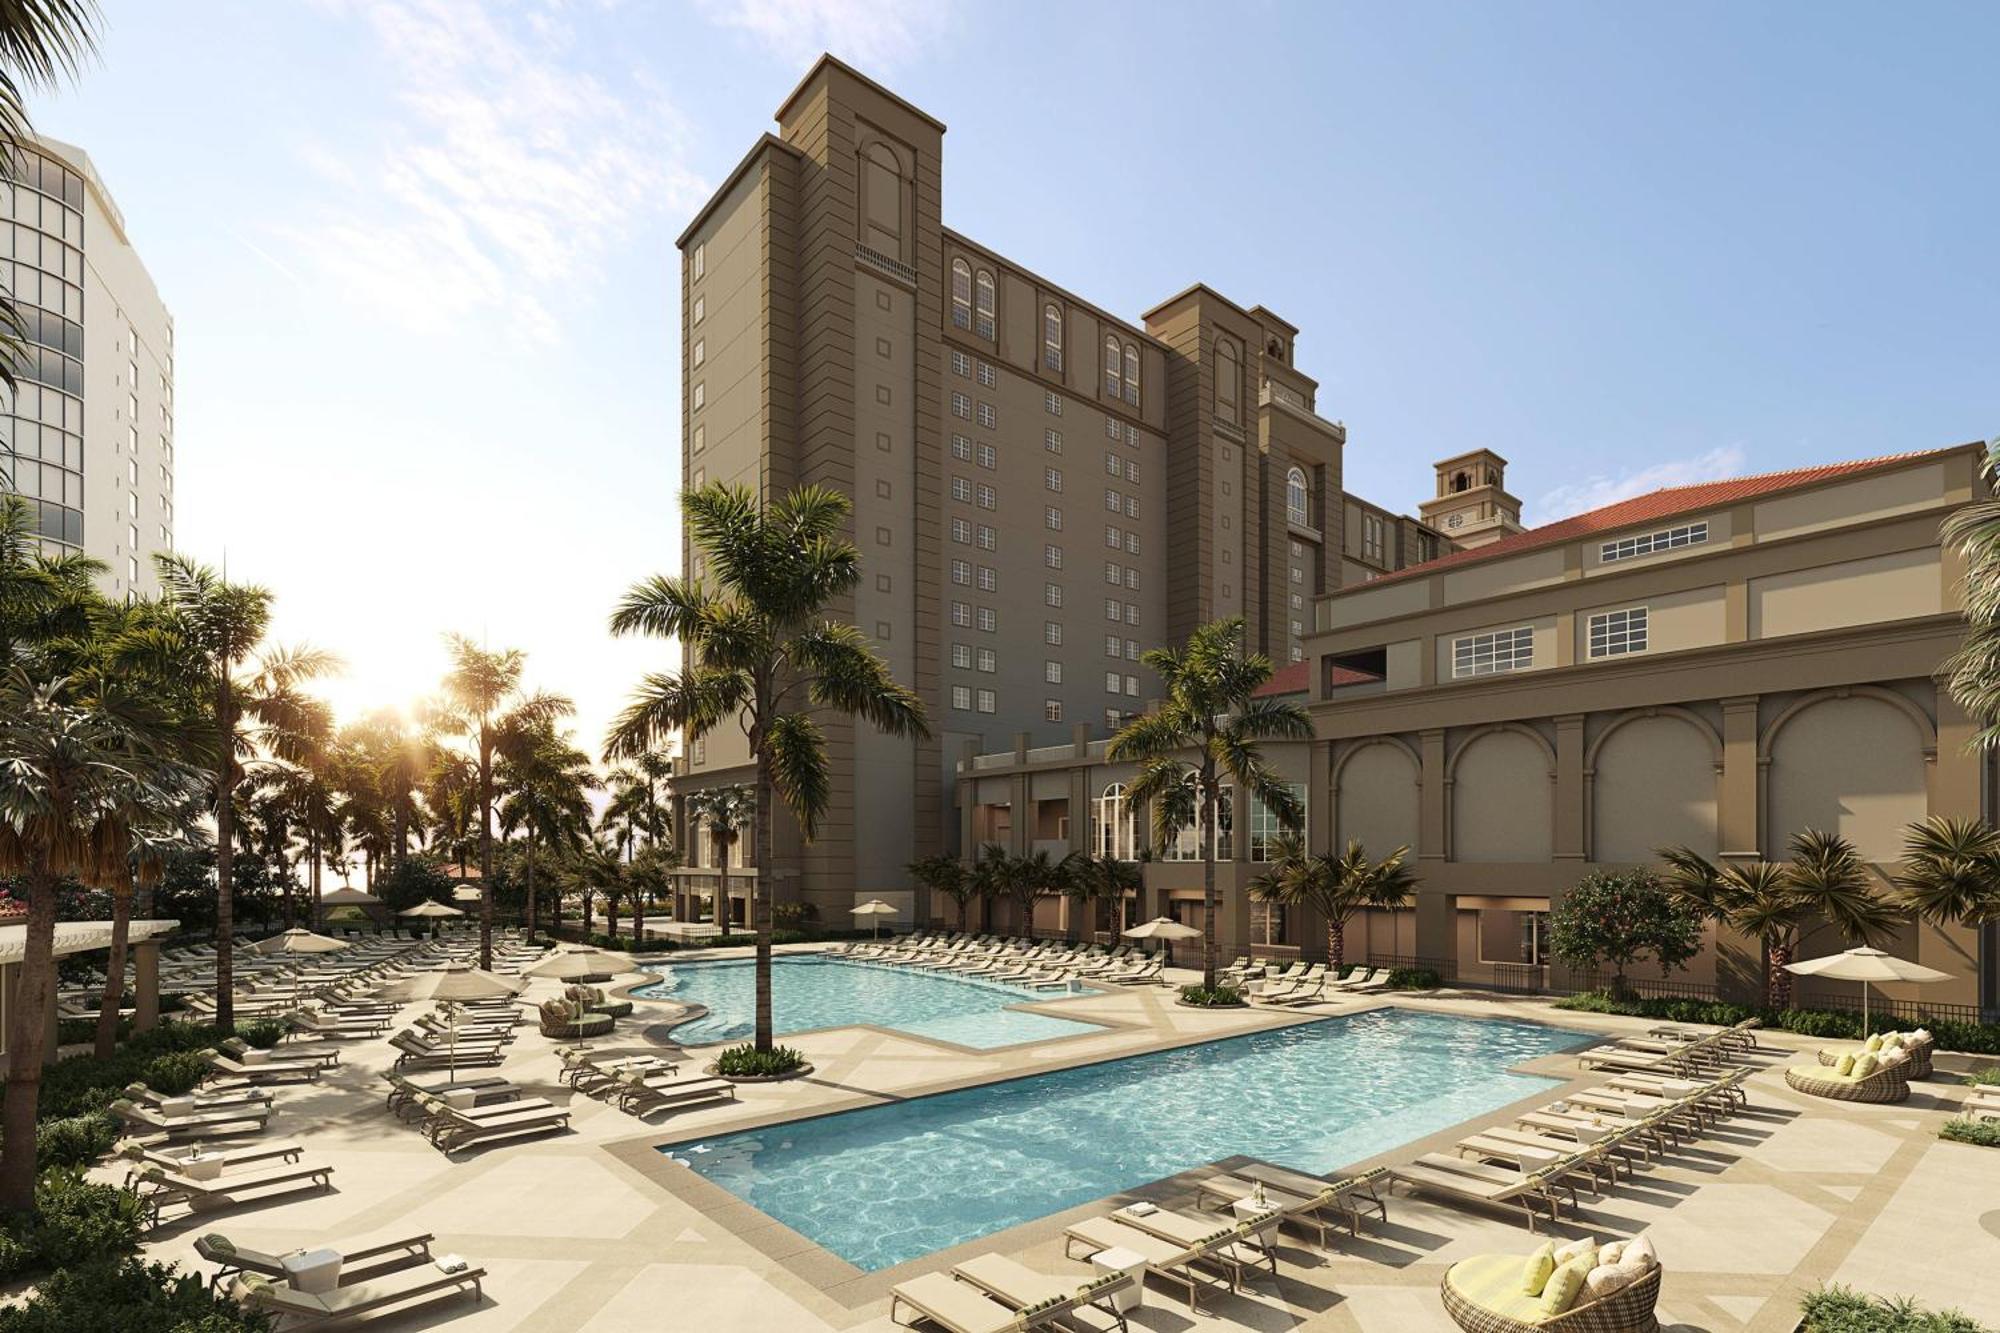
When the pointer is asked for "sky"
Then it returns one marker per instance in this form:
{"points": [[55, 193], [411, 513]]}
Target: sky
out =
{"points": [[420, 253]]}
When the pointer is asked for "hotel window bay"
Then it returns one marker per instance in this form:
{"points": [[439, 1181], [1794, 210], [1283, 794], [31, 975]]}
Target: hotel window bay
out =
{"points": [[1616, 633], [1627, 548], [1493, 653]]}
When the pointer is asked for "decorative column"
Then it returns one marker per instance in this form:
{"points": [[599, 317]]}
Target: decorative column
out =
{"points": [[1569, 831]]}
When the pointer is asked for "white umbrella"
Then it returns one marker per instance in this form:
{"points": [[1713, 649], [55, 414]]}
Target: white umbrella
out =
{"points": [[299, 940], [1866, 965], [874, 907], [576, 964], [453, 986], [429, 907], [345, 897], [1162, 928]]}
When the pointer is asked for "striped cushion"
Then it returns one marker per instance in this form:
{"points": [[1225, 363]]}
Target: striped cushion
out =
{"points": [[1493, 1283]]}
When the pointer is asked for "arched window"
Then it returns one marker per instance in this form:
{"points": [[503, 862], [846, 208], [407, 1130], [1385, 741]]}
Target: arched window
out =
{"points": [[1228, 379], [1111, 360], [982, 310], [1132, 373], [1460, 481], [1114, 832], [1052, 336], [961, 293], [1298, 500]]}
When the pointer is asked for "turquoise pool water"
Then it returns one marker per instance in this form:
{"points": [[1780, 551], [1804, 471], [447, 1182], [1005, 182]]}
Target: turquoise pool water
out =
{"points": [[809, 992], [891, 1183]]}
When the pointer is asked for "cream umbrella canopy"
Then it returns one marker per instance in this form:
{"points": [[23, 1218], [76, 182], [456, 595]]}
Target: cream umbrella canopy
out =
{"points": [[1867, 965], [349, 897], [453, 986], [430, 907], [876, 909], [299, 940], [577, 965], [1163, 928]]}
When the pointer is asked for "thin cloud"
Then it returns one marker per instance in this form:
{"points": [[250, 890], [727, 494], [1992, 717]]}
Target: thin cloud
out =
{"points": [[507, 169], [1594, 492], [876, 35]]}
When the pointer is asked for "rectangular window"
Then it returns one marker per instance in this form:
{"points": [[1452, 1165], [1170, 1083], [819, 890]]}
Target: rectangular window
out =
{"points": [[1114, 502], [987, 416], [1132, 435], [961, 656], [1052, 632], [961, 572], [1111, 431], [1132, 613], [1111, 572], [1052, 672], [985, 496], [700, 308], [986, 376], [700, 351], [1051, 710], [1052, 594], [1052, 440], [961, 613], [1131, 578], [1616, 633], [961, 448], [961, 489], [961, 406], [1131, 543], [961, 697], [1131, 650], [1132, 687], [987, 624], [700, 396], [961, 364], [1111, 645], [1265, 826], [1052, 478], [1052, 556], [1491, 654], [986, 541], [700, 261], [961, 531], [1132, 506], [1052, 402], [1112, 465], [986, 701], [700, 443], [987, 578], [1114, 610], [988, 457], [1113, 682], [1052, 516], [988, 661], [1689, 534]]}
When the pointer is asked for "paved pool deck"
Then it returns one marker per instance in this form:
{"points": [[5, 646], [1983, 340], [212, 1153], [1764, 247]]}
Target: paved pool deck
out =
{"points": [[594, 1230]]}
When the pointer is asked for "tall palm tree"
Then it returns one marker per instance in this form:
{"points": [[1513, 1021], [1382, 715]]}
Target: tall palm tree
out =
{"points": [[483, 701], [254, 703], [761, 648], [723, 811], [1211, 713], [944, 875], [1093, 879], [1972, 673], [451, 795], [1337, 887], [544, 780], [1951, 872]]}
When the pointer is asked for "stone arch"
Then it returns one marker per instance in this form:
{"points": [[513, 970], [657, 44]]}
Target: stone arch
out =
{"points": [[1376, 812], [886, 214], [1493, 812], [1674, 801], [1808, 775]]}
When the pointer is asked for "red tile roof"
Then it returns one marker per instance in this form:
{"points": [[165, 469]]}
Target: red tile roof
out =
{"points": [[1295, 679], [1657, 506]]}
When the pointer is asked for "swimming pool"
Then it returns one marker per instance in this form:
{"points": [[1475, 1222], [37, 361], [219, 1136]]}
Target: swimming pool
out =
{"points": [[809, 992], [891, 1183]]}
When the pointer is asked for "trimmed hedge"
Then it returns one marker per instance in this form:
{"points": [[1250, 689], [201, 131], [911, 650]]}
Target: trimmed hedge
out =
{"points": [[1212, 997], [747, 1061], [1415, 978], [1952, 1035], [1837, 1309], [128, 1296], [1979, 1133], [76, 1140]]}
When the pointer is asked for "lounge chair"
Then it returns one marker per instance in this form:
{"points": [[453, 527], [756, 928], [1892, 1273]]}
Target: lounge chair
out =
{"points": [[1887, 1083], [289, 1306], [403, 1093], [957, 1307], [1483, 1294], [177, 1158], [451, 1128], [1230, 1248], [1041, 1296], [1376, 980], [1917, 1046], [1307, 1201], [201, 1103], [273, 1071], [1532, 1192], [146, 1119], [158, 1187], [414, 1052], [639, 1094], [355, 1265]]}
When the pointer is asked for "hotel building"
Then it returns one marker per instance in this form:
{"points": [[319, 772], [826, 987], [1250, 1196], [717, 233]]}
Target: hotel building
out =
{"points": [[1042, 489], [88, 438]]}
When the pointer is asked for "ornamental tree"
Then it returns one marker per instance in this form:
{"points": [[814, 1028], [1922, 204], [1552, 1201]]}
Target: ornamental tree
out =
{"points": [[1620, 918]]}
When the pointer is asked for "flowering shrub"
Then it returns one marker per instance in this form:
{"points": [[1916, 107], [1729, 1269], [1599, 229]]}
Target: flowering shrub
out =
{"points": [[1619, 919]]}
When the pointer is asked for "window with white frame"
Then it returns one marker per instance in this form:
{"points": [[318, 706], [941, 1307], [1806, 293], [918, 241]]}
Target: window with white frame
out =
{"points": [[987, 378], [1111, 363], [982, 312], [1266, 827], [1131, 543], [961, 656], [1114, 829], [989, 662], [988, 580], [987, 623], [986, 416], [961, 294], [985, 701], [1051, 672], [1052, 440], [1493, 653], [1051, 710], [1111, 572], [986, 538], [961, 531], [961, 448], [1186, 845], [1052, 632], [961, 364], [1132, 373], [1052, 594], [961, 405], [989, 458], [961, 613], [1131, 650], [1667, 539], [1052, 336], [1111, 429], [1114, 610], [1052, 403], [961, 489], [1052, 556], [961, 697], [961, 573], [1052, 478], [1616, 633], [1052, 518], [1113, 682], [1111, 645], [984, 495], [1113, 539], [1298, 500]]}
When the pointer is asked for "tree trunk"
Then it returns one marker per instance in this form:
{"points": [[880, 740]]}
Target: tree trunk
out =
{"points": [[1336, 945], [1779, 988], [114, 971], [27, 1035], [225, 860], [586, 911], [638, 916], [401, 851], [530, 876], [485, 848], [760, 893], [1207, 840]]}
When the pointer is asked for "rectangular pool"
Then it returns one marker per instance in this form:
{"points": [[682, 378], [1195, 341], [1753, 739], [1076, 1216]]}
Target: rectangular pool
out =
{"points": [[810, 992], [891, 1183]]}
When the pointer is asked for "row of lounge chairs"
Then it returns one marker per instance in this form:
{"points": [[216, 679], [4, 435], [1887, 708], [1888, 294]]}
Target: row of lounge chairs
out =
{"points": [[1301, 983], [640, 1084], [1018, 961], [1675, 1050]]}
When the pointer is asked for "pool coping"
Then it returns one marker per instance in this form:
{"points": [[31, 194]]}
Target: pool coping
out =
{"points": [[854, 1288], [1098, 1026]]}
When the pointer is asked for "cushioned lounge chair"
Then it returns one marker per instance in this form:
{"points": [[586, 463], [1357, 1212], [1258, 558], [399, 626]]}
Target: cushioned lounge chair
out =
{"points": [[1890, 1083], [1918, 1051], [148, 1120], [292, 1308], [1483, 1295], [643, 1094], [1360, 1194], [1226, 1248], [1535, 1193], [452, 1128], [1049, 1297], [160, 1188], [357, 1265]]}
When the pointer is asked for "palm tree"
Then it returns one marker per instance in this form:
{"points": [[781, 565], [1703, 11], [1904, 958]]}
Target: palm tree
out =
{"points": [[1951, 872], [724, 811], [545, 780], [483, 701], [1826, 880], [944, 875], [451, 794], [761, 648], [1025, 881], [1102, 879], [1337, 887], [1972, 673], [1212, 711]]}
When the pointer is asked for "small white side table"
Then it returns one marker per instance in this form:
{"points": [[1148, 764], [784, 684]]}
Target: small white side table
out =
{"points": [[1115, 1260], [313, 1271]]}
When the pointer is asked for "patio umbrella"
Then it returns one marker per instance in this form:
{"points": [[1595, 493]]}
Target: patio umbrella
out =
{"points": [[453, 986], [299, 940], [430, 907], [1866, 965], [346, 897], [1163, 928], [576, 964], [875, 908]]}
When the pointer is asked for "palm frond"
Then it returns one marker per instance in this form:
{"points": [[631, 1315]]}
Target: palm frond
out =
{"points": [[799, 768]]}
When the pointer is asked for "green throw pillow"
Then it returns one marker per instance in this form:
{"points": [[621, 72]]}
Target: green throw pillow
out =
{"points": [[1873, 1044], [1565, 1283], [1864, 1065], [1535, 1274], [1844, 1066]]}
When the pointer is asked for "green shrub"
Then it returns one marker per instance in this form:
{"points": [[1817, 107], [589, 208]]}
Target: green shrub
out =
{"points": [[1987, 1077], [1837, 1309], [128, 1297], [1415, 978], [1982, 1133], [1212, 997], [176, 1072], [263, 1033], [749, 1062], [77, 1221], [76, 1140], [1977, 1038]]}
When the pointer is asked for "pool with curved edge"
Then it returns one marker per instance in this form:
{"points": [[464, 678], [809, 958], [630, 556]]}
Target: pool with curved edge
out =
{"points": [[809, 992], [891, 1183]]}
